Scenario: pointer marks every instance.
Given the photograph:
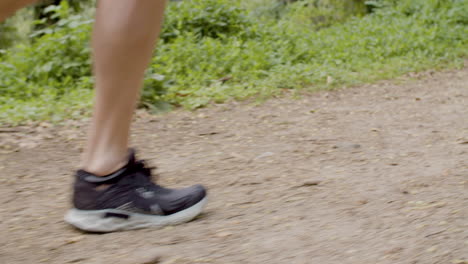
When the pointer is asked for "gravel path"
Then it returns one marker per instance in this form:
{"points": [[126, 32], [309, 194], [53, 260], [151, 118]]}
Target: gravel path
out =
{"points": [[373, 174]]}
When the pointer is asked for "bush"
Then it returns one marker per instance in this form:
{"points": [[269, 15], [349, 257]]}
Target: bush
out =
{"points": [[288, 55], [218, 50], [7, 35], [209, 18], [54, 65], [57, 60], [15, 29], [324, 13]]}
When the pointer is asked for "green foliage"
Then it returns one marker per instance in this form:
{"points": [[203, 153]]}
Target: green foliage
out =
{"points": [[50, 68], [7, 35], [219, 50], [209, 18], [15, 29], [289, 55], [324, 13]]}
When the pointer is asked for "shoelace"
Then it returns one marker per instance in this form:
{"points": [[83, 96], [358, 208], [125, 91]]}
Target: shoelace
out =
{"points": [[142, 174]]}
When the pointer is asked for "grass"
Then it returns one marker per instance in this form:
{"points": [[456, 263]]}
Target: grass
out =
{"points": [[218, 50]]}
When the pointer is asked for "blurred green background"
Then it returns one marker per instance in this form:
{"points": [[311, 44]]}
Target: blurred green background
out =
{"points": [[218, 50]]}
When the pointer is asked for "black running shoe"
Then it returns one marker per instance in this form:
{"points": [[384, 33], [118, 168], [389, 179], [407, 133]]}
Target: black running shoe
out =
{"points": [[128, 199]]}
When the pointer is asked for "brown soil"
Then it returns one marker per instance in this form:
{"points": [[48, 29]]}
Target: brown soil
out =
{"points": [[373, 174]]}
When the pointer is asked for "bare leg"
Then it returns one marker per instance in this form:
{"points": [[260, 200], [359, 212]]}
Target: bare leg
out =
{"points": [[123, 40], [124, 36], [8, 7]]}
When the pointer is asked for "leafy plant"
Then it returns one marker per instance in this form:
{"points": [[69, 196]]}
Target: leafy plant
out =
{"points": [[324, 13], [218, 50], [209, 18]]}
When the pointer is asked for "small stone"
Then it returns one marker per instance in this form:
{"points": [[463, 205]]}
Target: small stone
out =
{"points": [[394, 250], [264, 155], [144, 256], [432, 249], [168, 228], [363, 201], [310, 183], [77, 260], [151, 260], [404, 191], [346, 146], [73, 240], [224, 234]]}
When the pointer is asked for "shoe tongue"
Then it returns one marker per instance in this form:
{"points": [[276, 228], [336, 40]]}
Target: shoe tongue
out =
{"points": [[131, 156]]}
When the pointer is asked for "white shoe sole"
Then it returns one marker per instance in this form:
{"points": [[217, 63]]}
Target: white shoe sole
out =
{"points": [[96, 221]]}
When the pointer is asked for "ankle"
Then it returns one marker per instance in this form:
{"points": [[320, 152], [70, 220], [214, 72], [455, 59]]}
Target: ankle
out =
{"points": [[103, 169], [105, 164]]}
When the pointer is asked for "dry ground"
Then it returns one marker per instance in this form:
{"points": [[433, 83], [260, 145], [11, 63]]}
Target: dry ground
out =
{"points": [[373, 174]]}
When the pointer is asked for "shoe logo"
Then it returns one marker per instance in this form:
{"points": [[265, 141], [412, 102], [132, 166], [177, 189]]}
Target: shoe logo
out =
{"points": [[145, 193]]}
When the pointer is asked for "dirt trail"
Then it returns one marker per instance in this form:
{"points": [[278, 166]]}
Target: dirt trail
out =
{"points": [[373, 174]]}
